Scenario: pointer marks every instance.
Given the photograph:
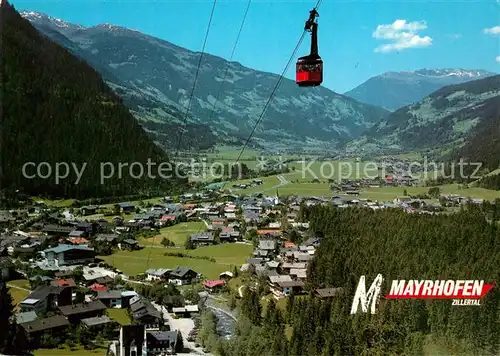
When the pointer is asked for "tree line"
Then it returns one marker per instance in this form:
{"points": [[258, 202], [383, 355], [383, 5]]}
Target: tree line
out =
{"points": [[60, 110], [356, 242]]}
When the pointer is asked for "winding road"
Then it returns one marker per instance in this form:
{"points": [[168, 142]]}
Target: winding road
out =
{"points": [[184, 325], [283, 181]]}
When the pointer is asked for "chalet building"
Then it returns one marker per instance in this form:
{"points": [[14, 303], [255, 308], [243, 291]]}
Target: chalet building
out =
{"points": [[76, 312], [143, 312], [272, 265], [129, 244], [186, 311], [266, 248], [92, 275], [109, 238], [125, 207], [88, 210], [269, 233], [24, 251], [157, 274], [230, 233], [25, 317], [54, 325], [298, 274], [183, 276], [169, 219], [57, 230], [218, 222], [212, 286], [97, 323], [256, 261], [63, 274], [70, 255], [65, 283], [227, 275], [287, 267], [45, 298], [127, 296], [203, 238], [86, 227], [284, 286], [77, 234], [162, 343], [79, 241], [261, 254], [225, 237], [327, 292], [96, 287], [111, 298], [104, 280]]}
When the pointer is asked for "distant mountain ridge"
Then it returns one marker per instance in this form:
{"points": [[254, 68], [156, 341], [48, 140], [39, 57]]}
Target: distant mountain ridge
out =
{"points": [[445, 120], [155, 77], [394, 90]]}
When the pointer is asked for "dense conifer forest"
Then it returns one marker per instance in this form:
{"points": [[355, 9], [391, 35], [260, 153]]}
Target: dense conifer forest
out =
{"points": [[490, 182], [358, 242], [56, 108], [484, 143]]}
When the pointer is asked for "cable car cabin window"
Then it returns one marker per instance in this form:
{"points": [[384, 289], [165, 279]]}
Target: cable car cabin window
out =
{"points": [[309, 74]]}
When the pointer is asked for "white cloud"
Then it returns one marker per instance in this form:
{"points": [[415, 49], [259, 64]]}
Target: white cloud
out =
{"points": [[498, 59], [492, 30], [402, 34]]}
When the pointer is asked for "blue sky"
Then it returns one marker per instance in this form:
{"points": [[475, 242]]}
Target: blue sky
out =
{"points": [[429, 34]]}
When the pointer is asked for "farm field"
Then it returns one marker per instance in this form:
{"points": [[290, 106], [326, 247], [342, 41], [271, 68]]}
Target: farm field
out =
{"points": [[55, 203], [78, 351], [68, 202], [307, 171], [227, 256], [119, 315], [297, 185], [389, 193], [19, 290], [177, 233]]}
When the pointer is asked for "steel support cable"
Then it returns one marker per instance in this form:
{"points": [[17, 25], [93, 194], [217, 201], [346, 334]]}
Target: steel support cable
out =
{"points": [[196, 77], [273, 92], [229, 61], [227, 69], [190, 98]]}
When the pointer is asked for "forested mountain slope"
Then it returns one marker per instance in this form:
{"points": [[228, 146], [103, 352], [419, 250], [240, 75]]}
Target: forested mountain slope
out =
{"points": [[57, 109], [446, 119], [359, 242]]}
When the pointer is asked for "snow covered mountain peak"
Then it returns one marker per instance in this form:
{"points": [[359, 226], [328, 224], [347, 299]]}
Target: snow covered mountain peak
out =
{"points": [[41, 18]]}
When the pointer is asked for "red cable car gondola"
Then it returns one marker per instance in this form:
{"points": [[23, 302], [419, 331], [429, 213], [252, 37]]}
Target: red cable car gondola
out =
{"points": [[309, 69]]}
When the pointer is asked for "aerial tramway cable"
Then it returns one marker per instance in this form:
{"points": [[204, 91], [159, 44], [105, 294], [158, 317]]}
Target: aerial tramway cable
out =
{"points": [[273, 92], [229, 61], [227, 68], [190, 98], [196, 77]]}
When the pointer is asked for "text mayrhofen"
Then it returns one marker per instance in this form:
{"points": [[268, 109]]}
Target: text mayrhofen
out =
{"points": [[463, 292]]}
